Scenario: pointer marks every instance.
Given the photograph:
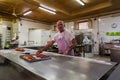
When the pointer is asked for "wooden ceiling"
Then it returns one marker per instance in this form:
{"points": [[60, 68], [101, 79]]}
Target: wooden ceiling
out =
{"points": [[65, 9]]}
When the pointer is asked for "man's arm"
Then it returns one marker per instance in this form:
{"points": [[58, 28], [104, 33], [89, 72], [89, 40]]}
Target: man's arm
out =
{"points": [[71, 47], [49, 44]]}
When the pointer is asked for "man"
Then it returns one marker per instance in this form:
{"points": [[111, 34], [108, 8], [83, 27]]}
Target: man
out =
{"points": [[64, 39]]}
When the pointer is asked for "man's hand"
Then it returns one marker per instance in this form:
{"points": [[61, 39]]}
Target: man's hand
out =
{"points": [[66, 52], [38, 52], [49, 44]]}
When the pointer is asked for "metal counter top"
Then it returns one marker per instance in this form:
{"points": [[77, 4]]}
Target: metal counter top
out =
{"points": [[61, 67], [115, 74]]}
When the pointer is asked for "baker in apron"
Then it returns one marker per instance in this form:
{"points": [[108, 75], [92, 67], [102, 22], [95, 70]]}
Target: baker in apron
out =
{"points": [[63, 46], [64, 39]]}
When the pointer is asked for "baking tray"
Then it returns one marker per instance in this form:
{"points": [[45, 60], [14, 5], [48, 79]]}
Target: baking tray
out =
{"points": [[34, 57]]}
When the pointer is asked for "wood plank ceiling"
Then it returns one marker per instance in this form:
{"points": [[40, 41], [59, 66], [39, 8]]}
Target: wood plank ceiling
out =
{"points": [[65, 9]]}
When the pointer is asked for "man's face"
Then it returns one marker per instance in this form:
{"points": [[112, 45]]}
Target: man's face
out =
{"points": [[60, 26]]}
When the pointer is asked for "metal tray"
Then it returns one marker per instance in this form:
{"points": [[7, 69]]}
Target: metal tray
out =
{"points": [[36, 58]]}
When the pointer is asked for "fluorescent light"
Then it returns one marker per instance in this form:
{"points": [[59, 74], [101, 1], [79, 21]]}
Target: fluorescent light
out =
{"points": [[27, 13], [47, 10], [79, 1]]}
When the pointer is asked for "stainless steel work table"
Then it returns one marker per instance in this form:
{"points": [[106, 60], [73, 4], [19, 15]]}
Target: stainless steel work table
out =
{"points": [[61, 67], [115, 74]]}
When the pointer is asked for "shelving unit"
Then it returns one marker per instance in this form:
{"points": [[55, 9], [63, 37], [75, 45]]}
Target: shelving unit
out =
{"points": [[0, 40], [8, 35]]}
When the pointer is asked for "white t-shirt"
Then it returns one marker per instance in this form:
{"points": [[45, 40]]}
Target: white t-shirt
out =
{"points": [[64, 41], [68, 36]]}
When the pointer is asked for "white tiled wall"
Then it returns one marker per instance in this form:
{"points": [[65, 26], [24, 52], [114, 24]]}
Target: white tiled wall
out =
{"points": [[24, 29], [105, 25], [70, 27], [39, 37]]}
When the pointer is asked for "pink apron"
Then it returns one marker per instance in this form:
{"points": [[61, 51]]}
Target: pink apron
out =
{"points": [[63, 45]]}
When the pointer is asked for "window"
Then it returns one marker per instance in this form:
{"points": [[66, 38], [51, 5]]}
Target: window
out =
{"points": [[83, 25]]}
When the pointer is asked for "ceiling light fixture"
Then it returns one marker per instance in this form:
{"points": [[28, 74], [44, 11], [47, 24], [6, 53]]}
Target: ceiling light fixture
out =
{"points": [[47, 10], [81, 2], [28, 12]]}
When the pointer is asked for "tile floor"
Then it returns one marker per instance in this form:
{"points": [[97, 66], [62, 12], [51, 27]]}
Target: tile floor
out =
{"points": [[102, 57]]}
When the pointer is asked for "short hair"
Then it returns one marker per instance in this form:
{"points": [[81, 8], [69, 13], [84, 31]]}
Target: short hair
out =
{"points": [[60, 21]]}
